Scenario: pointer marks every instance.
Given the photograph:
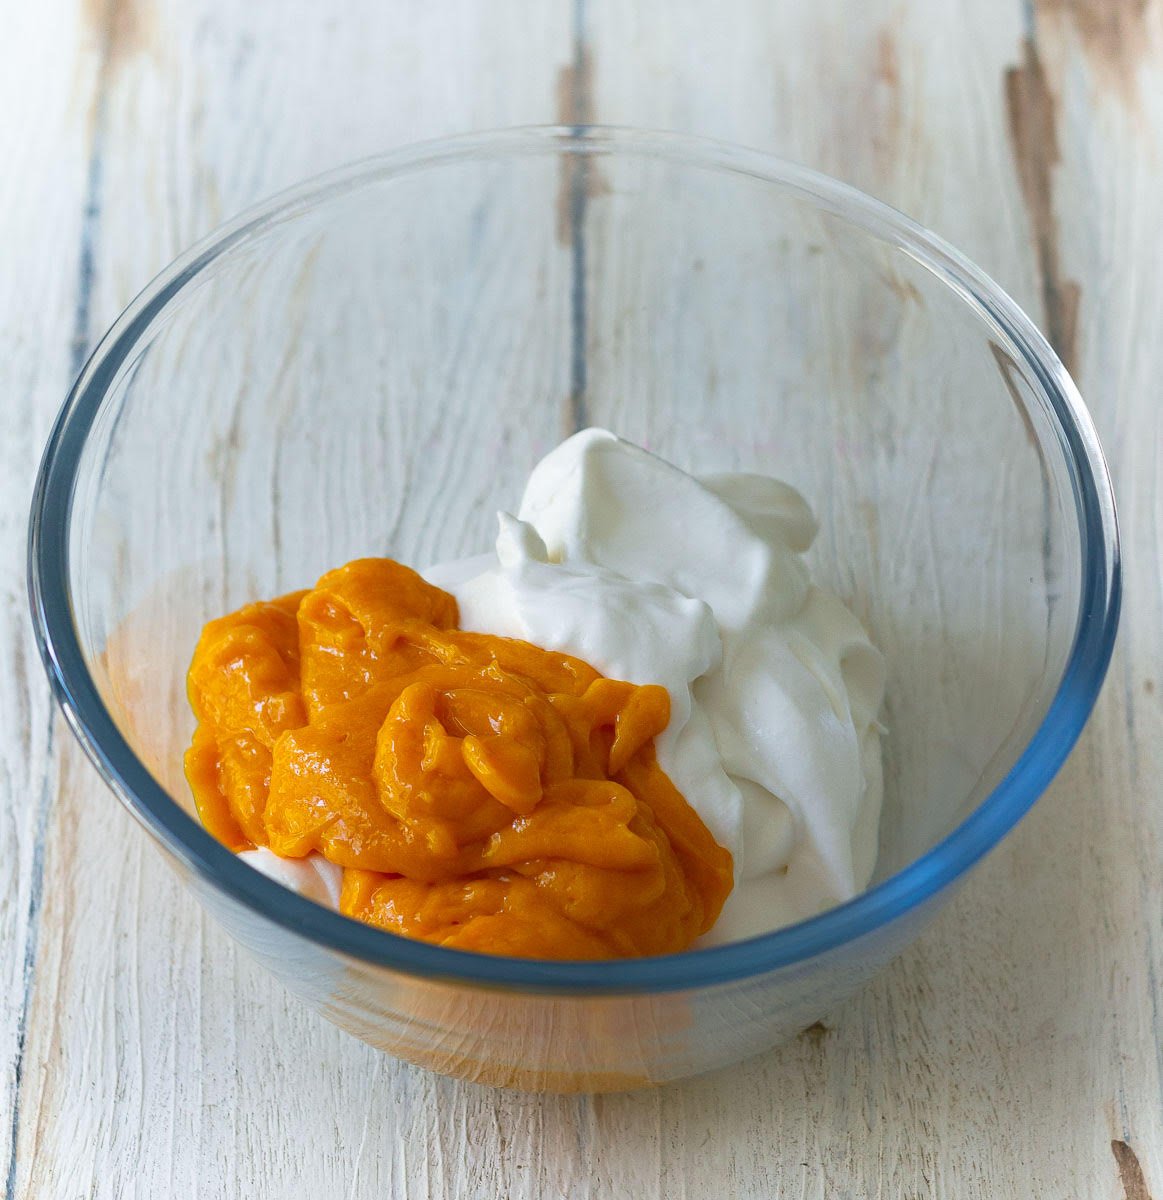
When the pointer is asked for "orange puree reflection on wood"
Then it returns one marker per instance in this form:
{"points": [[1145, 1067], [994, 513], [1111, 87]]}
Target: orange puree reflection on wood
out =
{"points": [[479, 791]]}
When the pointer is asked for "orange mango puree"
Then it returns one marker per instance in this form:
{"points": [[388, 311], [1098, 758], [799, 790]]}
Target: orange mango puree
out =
{"points": [[479, 792]]}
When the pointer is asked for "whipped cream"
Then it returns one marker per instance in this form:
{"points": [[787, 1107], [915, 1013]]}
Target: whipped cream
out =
{"points": [[312, 876], [652, 575]]}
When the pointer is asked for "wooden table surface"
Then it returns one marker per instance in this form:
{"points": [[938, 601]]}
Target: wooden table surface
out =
{"points": [[1016, 1050]]}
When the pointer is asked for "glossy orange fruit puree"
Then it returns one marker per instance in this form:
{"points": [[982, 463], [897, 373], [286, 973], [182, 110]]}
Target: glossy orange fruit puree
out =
{"points": [[479, 792]]}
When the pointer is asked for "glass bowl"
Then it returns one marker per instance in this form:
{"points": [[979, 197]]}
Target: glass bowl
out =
{"points": [[372, 362]]}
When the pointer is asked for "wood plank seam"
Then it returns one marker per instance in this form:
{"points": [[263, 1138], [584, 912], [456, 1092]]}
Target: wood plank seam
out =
{"points": [[35, 904], [577, 99]]}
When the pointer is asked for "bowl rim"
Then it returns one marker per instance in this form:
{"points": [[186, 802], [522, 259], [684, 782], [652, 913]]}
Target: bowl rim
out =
{"points": [[906, 890]]}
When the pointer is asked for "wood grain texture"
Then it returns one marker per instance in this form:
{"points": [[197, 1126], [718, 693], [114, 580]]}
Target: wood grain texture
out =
{"points": [[1017, 1049], [51, 83]]}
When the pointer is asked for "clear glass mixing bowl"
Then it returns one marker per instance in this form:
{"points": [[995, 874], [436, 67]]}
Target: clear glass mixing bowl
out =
{"points": [[371, 364]]}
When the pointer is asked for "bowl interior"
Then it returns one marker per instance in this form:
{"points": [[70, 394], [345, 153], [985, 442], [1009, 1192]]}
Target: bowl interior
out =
{"points": [[375, 367]]}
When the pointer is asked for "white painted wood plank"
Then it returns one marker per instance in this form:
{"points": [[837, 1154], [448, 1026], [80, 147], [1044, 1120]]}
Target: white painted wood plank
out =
{"points": [[1018, 1041], [1104, 82], [46, 91], [140, 1007]]}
